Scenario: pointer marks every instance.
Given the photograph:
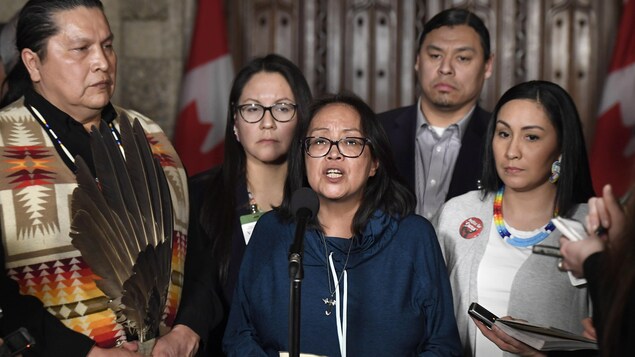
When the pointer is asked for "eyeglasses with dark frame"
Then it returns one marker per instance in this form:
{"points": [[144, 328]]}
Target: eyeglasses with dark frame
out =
{"points": [[351, 147], [253, 112]]}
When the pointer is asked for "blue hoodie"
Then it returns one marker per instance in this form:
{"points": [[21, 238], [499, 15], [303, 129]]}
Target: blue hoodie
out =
{"points": [[394, 299]]}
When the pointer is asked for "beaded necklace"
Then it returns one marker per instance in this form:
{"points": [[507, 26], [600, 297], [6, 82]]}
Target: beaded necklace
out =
{"points": [[43, 121], [508, 237]]}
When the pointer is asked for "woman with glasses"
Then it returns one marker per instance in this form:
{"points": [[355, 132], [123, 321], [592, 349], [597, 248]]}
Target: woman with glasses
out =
{"points": [[374, 283], [268, 100]]}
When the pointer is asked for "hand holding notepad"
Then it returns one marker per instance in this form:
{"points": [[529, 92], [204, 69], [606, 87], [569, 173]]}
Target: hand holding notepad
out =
{"points": [[542, 338]]}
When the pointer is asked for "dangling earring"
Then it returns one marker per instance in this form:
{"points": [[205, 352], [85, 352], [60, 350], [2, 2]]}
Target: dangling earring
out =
{"points": [[555, 170]]}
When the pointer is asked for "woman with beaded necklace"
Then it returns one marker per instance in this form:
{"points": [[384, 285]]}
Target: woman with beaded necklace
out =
{"points": [[535, 168]]}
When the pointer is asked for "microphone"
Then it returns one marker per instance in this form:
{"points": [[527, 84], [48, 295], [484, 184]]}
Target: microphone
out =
{"points": [[305, 205]]}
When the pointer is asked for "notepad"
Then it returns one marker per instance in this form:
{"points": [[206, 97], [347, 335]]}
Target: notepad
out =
{"points": [[570, 228], [544, 338]]}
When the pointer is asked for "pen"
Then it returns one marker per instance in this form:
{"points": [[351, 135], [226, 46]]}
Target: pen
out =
{"points": [[547, 250]]}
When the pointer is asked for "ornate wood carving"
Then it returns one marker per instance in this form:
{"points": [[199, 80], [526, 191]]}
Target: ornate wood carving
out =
{"points": [[369, 46]]}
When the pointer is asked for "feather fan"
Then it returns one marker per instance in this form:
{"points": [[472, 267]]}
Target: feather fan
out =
{"points": [[123, 225]]}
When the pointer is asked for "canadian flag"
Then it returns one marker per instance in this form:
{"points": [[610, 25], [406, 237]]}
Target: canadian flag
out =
{"points": [[200, 128], [613, 150]]}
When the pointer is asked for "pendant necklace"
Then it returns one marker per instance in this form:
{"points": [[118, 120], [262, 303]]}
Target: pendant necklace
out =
{"points": [[507, 236], [330, 301], [253, 206]]}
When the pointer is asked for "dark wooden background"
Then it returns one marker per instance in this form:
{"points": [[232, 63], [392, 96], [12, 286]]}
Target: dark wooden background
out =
{"points": [[369, 46]]}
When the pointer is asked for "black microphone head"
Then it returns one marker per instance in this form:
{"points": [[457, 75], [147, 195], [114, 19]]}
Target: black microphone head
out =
{"points": [[306, 198]]}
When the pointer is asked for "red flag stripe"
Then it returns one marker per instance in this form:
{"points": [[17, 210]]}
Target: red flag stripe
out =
{"points": [[613, 153], [209, 38], [624, 53], [199, 131]]}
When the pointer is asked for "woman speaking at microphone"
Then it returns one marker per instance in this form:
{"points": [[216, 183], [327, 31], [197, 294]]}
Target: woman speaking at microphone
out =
{"points": [[375, 283]]}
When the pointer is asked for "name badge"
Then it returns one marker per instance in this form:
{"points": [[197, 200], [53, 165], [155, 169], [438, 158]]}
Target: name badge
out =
{"points": [[247, 223]]}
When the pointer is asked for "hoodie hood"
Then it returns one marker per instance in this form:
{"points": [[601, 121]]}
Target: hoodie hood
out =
{"points": [[376, 235]]}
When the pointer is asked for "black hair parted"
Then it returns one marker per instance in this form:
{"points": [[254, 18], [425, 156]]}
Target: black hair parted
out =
{"points": [[574, 185]]}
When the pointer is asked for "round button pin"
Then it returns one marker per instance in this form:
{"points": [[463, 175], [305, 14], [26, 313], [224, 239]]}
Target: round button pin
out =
{"points": [[471, 228]]}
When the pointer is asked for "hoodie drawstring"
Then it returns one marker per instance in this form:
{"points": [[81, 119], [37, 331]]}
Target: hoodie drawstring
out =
{"points": [[341, 323]]}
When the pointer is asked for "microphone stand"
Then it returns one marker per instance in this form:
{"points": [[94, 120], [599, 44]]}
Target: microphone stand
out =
{"points": [[305, 203], [296, 274]]}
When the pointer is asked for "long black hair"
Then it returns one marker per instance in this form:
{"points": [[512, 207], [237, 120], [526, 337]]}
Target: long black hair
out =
{"points": [[218, 211], [385, 190], [574, 185], [36, 25]]}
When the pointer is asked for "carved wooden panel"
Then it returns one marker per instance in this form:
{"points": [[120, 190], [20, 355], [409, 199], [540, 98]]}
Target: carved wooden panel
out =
{"points": [[369, 46]]}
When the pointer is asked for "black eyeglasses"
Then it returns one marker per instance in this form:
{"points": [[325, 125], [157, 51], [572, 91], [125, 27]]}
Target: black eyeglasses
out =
{"points": [[350, 147], [253, 113]]}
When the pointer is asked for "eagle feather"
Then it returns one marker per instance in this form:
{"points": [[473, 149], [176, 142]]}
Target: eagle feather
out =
{"points": [[123, 225]]}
